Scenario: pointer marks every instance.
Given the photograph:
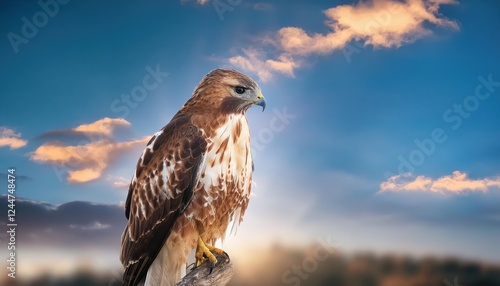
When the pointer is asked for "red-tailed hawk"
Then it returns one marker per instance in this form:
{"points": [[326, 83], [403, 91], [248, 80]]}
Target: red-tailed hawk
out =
{"points": [[192, 180]]}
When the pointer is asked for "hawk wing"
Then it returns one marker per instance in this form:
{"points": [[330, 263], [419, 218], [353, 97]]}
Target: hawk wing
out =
{"points": [[160, 191]]}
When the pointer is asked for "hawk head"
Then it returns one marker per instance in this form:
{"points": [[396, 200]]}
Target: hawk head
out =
{"points": [[225, 91]]}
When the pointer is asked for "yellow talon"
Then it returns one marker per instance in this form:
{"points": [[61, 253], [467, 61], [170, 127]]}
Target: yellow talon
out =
{"points": [[206, 252]]}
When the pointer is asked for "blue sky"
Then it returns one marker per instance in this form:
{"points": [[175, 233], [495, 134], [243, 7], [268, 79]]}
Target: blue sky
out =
{"points": [[350, 88]]}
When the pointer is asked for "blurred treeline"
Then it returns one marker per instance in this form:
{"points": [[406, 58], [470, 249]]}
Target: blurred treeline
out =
{"points": [[313, 266]]}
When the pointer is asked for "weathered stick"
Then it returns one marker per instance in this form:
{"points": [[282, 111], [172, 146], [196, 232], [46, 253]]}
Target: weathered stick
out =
{"points": [[221, 274]]}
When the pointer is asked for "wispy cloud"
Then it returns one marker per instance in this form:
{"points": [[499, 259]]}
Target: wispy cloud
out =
{"points": [[103, 126], [119, 182], [87, 162], [201, 2], [254, 61], [262, 6], [457, 182], [379, 23], [11, 139], [257, 6], [92, 226], [18, 177]]}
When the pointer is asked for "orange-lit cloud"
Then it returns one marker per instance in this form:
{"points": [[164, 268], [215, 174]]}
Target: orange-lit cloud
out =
{"points": [[11, 139], [87, 162], [255, 62], [379, 23], [103, 126], [457, 182]]}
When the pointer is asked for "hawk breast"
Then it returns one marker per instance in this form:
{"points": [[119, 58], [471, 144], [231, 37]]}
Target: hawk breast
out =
{"points": [[225, 176]]}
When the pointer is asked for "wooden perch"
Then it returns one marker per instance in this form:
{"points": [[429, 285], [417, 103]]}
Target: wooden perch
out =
{"points": [[221, 274]]}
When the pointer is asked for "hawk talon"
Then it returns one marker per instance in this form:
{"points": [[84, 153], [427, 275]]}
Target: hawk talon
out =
{"points": [[206, 252], [212, 265], [192, 266], [226, 255]]}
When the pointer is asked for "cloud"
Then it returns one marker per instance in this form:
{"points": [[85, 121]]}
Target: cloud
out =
{"points": [[379, 23], [201, 2], [457, 182], [87, 162], [103, 126], [254, 61], [11, 139], [98, 130], [70, 224], [18, 177], [93, 226], [119, 182], [262, 6]]}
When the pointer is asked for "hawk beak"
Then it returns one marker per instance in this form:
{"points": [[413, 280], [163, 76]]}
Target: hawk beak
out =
{"points": [[261, 101]]}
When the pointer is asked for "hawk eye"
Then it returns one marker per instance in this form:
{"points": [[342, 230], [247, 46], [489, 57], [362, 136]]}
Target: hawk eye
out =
{"points": [[239, 89]]}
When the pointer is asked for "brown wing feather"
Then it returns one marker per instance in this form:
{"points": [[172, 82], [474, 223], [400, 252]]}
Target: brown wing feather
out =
{"points": [[161, 190]]}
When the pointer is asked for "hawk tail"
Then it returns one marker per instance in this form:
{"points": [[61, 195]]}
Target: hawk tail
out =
{"points": [[168, 268]]}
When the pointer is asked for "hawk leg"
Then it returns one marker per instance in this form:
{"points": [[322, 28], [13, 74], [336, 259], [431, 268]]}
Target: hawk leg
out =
{"points": [[206, 252]]}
